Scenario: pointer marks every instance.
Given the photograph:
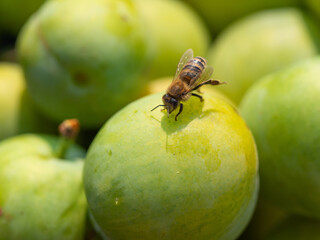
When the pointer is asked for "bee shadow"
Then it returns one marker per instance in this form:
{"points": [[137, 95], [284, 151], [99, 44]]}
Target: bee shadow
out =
{"points": [[191, 110]]}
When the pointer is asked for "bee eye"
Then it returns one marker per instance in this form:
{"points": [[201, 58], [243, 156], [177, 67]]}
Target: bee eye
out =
{"points": [[174, 102]]}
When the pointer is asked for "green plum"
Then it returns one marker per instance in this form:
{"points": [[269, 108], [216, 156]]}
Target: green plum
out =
{"points": [[84, 59], [173, 28], [17, 111], [314, 6], [282, 111], [147, 176], [219, 14], [260, 44], [296, 228], [41, 191], [14, 13]]}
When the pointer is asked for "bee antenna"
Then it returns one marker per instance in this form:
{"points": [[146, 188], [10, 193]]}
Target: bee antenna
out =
{"points": [[157, 107]]}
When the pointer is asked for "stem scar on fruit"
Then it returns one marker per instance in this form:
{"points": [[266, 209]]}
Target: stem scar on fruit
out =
{"points": [[191, 74]]}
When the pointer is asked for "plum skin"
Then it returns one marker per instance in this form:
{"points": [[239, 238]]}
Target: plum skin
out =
{"points": [[147, 176]]}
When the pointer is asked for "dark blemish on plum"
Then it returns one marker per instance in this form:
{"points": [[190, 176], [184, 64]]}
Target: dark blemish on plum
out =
{"points": [[80, 79], [124, 18]]}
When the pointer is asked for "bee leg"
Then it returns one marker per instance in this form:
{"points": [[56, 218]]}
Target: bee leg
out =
{"points": [[210, 81], [196, 95], [180, 110]]}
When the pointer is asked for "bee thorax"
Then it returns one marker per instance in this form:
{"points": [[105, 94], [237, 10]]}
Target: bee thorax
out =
{"points": [[178, 89]]}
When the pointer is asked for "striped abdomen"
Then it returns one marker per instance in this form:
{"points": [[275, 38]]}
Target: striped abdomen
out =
{"points": [[192, 70]]}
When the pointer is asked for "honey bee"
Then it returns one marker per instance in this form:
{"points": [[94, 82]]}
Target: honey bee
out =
{"points": [[191, 74]]}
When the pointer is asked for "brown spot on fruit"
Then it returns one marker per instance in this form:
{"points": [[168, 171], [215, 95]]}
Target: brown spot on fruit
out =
{"points": [[80, 78]]}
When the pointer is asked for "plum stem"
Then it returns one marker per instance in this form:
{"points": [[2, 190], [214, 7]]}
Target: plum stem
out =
{"points": [[68, 130]]}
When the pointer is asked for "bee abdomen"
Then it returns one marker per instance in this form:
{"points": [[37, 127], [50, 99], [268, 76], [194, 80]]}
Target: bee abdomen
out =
{"points": [[192, 69], [200, 62]]}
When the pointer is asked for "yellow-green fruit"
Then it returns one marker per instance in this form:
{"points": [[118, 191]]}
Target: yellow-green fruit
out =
{"points": [[147, 176], [296, 228], [84, 58], [173, 28], [218, 14], [282, 112], [17, 111], [41, 195], [14, 13], [260, 44]]}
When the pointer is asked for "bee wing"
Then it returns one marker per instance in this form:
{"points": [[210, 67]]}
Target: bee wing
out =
{"points": [[206, 74], [183, 60]]}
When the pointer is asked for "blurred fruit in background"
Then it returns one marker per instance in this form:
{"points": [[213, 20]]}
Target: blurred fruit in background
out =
{"points": [[314, 6], [283, 113], [158, 85], [219, 14], [260, 44], [41, 191], [296, 228], [147, 176], [17, 111], [173, 28], [14, 13], [265, 218], [8, 55], [84, 59]]}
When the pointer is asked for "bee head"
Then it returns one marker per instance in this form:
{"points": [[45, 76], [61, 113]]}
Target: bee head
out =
{"points": [[170, 103]]}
